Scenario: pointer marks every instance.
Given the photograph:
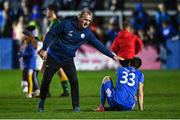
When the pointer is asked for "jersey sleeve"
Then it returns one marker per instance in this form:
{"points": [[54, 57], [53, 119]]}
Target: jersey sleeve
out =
{"points": [[142, 78]]}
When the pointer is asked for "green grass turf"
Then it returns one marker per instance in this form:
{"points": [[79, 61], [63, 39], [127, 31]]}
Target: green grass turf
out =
{"points": [[162, 97]]}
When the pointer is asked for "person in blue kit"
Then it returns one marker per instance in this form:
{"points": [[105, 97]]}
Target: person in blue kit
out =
{"points": [[62, 42], [129, 82]]}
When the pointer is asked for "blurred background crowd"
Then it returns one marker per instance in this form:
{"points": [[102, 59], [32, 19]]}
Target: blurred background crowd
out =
{"points": [[157, 22]]}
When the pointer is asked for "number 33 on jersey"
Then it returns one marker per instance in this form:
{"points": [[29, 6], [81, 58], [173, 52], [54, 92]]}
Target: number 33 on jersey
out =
{"points": [[129, 76]]}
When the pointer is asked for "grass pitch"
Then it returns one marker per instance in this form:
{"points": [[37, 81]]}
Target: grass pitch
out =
{"points": [[161, 100]]}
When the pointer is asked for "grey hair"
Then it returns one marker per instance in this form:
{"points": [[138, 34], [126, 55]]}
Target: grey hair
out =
{"points": [[85, 11]]}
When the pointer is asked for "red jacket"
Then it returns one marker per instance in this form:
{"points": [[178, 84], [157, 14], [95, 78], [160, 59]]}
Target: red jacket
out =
{"points": [[126, 45]]}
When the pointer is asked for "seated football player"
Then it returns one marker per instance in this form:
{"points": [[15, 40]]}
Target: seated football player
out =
{"points": [[129, 83]]}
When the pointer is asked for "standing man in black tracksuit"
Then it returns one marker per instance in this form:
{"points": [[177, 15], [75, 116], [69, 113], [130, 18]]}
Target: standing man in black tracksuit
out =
{"points": [[62, 42]]}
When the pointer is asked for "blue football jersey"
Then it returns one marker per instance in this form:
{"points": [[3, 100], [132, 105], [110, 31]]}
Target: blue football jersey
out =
{"points": [[127, 85]]}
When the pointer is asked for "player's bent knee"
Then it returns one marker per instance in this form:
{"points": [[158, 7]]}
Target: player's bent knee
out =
{"points": [[106, 78]]}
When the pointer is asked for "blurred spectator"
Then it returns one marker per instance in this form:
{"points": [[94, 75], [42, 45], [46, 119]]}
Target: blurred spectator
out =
{"points": [[140, 19], [6, 20], [169, 32], [90, 4], [111, 30], [18, 27], [160, 16], [154, 37], [177, 17], [35, 13], [171, 38], [32, 3], [48, 2], [24, 7], [16, 9], [44, 26], [114, 5]]}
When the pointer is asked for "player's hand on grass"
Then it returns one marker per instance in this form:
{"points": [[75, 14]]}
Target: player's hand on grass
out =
{"points": [[99, 109]]}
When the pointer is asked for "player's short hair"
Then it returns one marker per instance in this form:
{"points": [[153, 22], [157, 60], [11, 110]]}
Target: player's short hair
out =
{"points": [[85, 11], [125, 63], [126, 24], [136, 62], [53, 7]]}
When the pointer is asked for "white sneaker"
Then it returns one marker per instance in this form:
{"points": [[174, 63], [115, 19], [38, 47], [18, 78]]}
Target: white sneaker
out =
{"points": [[36, 93], [25, 89]]}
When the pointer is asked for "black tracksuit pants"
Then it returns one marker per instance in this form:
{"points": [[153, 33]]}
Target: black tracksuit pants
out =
{"points": [[52, 66]]}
